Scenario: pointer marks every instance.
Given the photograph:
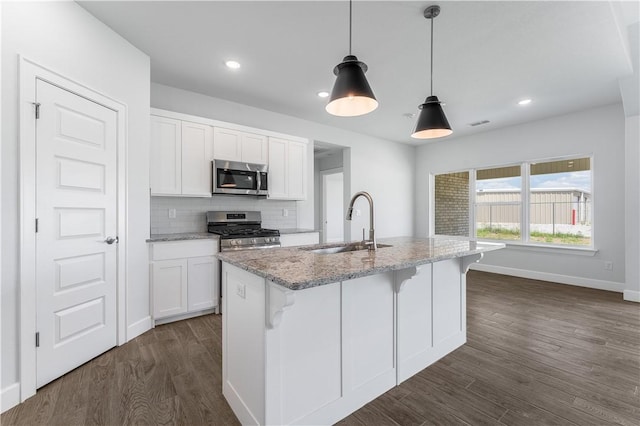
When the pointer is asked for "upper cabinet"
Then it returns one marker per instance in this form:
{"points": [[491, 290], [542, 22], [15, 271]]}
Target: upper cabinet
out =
{"points": [[166, 156], [183, 147], [287, 169], [234, 145], [181, 155]]}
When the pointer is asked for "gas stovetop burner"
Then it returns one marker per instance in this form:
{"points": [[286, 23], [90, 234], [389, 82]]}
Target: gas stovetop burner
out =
{"points": [[241, 230], [232, 232]]}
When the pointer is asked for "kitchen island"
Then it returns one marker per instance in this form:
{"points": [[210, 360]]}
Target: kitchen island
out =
{"points": [[310, 336]]}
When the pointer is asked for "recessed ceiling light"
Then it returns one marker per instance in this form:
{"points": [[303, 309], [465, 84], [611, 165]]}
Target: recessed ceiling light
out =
{"points": [[234, 65], [524, 102], [323, 94]]}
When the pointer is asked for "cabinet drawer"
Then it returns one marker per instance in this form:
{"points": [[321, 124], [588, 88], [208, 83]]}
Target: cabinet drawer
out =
{"points": [[183, 249]]}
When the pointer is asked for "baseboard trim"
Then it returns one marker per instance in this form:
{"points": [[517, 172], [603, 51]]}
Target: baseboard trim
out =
{"points": [[631, 296], [139, 327], [555, 278], [9, 397]]}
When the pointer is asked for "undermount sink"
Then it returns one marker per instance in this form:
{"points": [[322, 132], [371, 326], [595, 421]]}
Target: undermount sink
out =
{"points": [[344, 248]]}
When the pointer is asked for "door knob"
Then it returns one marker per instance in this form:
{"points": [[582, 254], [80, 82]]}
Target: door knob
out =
{"points": [[111, 240]]}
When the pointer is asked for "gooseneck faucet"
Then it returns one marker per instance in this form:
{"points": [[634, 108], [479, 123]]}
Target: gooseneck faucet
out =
{"points": [[372, 234]]}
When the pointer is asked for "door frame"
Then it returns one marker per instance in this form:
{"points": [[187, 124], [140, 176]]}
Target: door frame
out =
{"points": [[28, 73], [323, 213]]}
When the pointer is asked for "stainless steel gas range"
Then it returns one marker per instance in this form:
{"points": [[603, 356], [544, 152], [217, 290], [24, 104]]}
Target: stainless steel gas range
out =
{"points": [[241, 230]]}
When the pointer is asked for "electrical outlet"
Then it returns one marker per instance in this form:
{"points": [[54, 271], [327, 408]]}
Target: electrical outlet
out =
{"points": [[172, 213], [241, 290], [285, 212], [358, 212], [608, 265]]}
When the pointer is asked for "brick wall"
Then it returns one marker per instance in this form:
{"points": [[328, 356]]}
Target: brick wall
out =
{"points": [[452, 204]]}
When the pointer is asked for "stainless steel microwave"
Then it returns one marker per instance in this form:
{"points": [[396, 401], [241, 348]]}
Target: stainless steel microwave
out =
{"points": [[232, 177]]}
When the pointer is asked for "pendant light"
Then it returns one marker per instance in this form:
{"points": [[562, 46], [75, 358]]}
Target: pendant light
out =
{"points": [[351, 95], [432, 123]]}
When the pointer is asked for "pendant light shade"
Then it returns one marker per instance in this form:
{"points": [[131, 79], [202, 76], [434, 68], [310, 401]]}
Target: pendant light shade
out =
{"points": [[351, 95], [432, 123]]}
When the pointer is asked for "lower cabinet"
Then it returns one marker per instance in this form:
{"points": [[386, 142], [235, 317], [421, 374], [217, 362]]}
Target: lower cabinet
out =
{"points": [[184, 278]]}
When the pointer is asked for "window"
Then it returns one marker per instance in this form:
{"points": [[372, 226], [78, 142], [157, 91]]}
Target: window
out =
{"points": [[499, 203], [560, 202], [557, 196]]}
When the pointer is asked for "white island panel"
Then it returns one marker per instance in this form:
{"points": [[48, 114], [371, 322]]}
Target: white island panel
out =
{"points": [[243, 358], [304, 356], [368, 318]]}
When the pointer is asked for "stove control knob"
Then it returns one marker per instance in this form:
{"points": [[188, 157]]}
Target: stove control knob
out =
{"points": [[233, 242], [268, 240], [254, 241]]}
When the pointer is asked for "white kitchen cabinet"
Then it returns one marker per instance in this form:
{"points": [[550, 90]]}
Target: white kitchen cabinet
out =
{"points": [[197, 154], [287, 169], [169, 287], [181, 155], [166, 156], [184, 278], [299, 239], [234, 145], [202, 273]]}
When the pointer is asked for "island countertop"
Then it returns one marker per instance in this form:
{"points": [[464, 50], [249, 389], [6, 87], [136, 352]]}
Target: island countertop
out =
{"points": [[298, 268]]}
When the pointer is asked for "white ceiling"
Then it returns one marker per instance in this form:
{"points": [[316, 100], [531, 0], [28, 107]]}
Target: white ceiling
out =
{"points": [[566, 56]]}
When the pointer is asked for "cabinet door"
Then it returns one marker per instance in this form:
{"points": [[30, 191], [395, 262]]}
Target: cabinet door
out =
{"points": [[197, 153], [166, 156], [227, 144], [203, 283], [297, 171], [254, 149], [169, 288], [278, 183]]}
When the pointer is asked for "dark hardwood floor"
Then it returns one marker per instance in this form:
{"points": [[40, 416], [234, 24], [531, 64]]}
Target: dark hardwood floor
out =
{"points": [[537, 354]]}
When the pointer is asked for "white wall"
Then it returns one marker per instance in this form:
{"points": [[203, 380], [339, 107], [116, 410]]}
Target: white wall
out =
{"points": [[372, 160], [632, 208], [600, 132], [64, 38]]}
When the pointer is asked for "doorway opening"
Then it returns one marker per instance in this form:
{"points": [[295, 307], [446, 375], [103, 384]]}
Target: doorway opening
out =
{"points": [[331, 169]]}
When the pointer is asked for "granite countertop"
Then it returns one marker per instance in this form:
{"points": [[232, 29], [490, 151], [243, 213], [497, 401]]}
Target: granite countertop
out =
{"points": [[296, 231], [298, 268], [155, 238]]}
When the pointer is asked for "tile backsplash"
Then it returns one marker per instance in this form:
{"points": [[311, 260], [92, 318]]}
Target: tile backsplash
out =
{"points": [[191, 212]]}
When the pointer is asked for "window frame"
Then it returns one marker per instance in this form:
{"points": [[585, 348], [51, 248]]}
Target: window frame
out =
{"points": [[525, 214]]}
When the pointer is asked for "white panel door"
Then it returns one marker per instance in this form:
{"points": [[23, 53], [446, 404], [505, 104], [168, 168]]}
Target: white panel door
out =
{"points": [[166, 153], [202, 288], [197, 154], [76, 143], [169, 287], [297, 170], [278, 155], [227, 144], [254, 149], [333, 207]]}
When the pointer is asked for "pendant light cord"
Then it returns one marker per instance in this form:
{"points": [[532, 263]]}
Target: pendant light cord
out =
{"points": [[432, 56], [350, 23]]}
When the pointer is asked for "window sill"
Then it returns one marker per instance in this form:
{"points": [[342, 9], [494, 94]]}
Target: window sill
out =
{"points": [[574, 251]]}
